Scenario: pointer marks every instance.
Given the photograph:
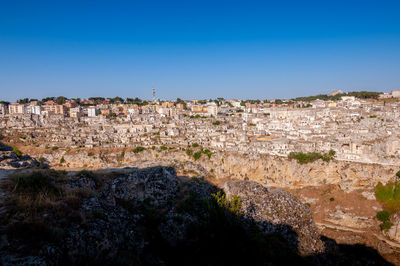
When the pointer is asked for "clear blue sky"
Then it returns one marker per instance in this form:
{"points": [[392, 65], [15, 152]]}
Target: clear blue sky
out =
{"points": [[197, 49]]}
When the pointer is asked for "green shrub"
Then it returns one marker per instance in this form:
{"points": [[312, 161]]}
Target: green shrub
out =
{"points": [[164, 148], [383, 216], [54, 148], [216, 123], [398, 174], [197, 155], [233, 205], [389, 196], [153, 147], [332, 199], [62, 160], [309, 157], [17, 152], [208, 153], [195, 145], [138, 149], [41, 159], [386, 225]]}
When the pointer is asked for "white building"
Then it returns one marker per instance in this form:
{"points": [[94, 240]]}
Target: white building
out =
{"points": [[92, 111], [396, 93], [16, 108], [212, 110], [34, 109]]}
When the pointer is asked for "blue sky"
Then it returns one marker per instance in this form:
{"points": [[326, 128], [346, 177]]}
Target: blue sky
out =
{"points": [[197, 49]]}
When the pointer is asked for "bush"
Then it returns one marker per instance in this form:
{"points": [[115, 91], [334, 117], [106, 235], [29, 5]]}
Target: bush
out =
{"points": [[153, 147], [41, 159], [309, 157], [386, 225], [17, 152], [195, 145], [138, 149], [208, 153], [332, 199], [398, 174], [389, 196], [383, 216], [233, 206], [216, 123], [62, 160], [54, 148], [197, 155], [164, 148]]}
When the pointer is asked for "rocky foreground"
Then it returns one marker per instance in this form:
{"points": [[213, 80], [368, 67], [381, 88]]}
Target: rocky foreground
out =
{"points": [[151, 216]]}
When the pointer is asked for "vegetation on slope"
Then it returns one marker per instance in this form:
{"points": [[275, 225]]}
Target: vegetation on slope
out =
{"points": [[309, 157]]}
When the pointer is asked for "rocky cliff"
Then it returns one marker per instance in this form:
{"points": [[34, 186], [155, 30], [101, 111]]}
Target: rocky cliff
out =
{"points": [[153, 217], [268, 170]]}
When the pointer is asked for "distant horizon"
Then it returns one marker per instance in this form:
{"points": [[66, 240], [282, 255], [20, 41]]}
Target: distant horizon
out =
{"points": [[197, 49], [198, 99]]}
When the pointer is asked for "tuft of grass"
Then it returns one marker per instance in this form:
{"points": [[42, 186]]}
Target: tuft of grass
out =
{"points": [[331, 199], [54, 148], [34, 183]]}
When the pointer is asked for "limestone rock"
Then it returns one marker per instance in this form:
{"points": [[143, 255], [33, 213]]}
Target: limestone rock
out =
{"points": [[277, 211]]}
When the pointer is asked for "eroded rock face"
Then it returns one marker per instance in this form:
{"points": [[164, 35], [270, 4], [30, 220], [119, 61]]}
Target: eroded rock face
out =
{"points": [[275, 210], [394, 232], [265, 169]]}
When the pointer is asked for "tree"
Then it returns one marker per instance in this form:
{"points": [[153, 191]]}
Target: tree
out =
{"points": [[61, 99], [23, 101], [48, 99]]}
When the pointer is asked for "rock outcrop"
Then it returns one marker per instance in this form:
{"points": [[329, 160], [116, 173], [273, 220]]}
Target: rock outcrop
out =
{"points": [[275, 210], [10, 160]]}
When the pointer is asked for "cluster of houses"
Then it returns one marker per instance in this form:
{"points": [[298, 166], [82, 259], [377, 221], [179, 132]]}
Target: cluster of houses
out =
{"points": [[357, 130]]}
